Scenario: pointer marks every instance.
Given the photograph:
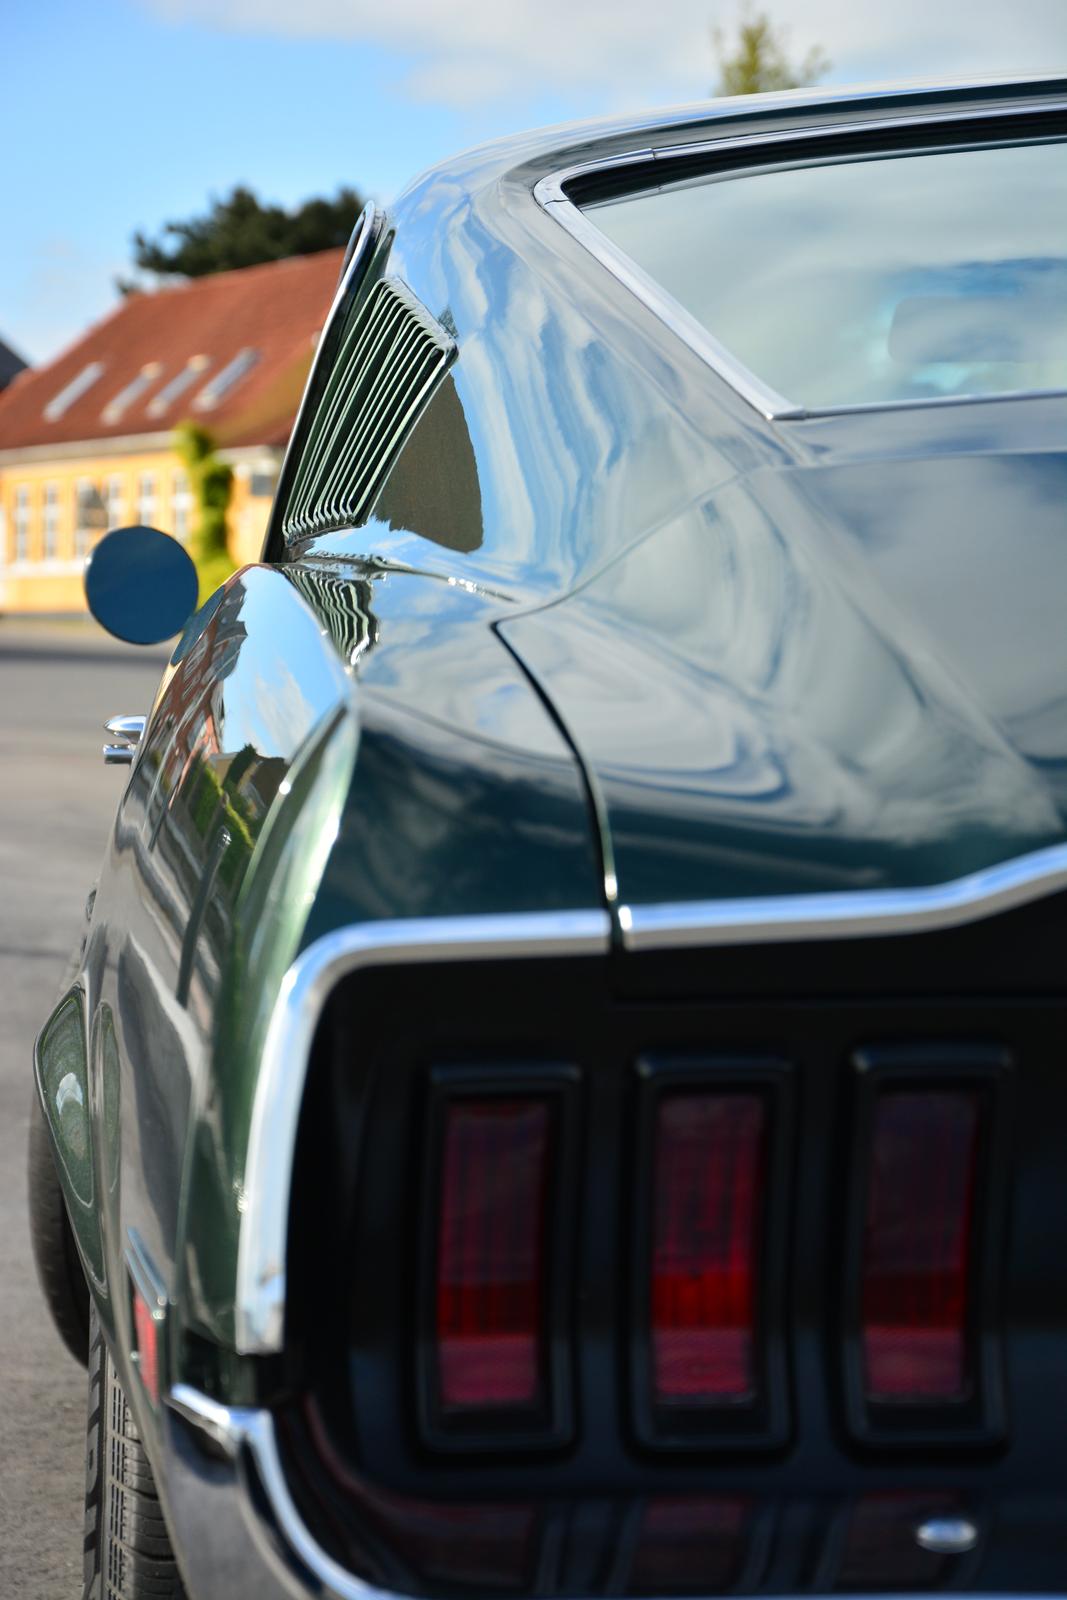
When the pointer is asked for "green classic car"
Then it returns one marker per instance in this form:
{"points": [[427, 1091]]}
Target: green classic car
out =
{"points": [[564, 1088]]}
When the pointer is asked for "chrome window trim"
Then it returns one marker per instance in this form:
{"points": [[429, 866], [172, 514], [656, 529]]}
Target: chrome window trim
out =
{"points": [[259, 1309], [550, 192], [850, 914]]}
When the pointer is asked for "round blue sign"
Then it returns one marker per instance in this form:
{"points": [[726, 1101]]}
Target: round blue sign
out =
{"points": [[141, 585]]}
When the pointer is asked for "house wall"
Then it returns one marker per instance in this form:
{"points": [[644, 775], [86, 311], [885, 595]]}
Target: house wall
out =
{"points": [[49, 524]]}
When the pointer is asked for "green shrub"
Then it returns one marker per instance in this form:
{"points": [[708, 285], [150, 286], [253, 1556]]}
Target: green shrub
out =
{"points": [[211, 482]]}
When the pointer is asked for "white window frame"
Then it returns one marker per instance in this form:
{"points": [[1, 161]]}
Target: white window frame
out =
{"points": [[116, 501], [181, 505], [23, 517], [147, 499], [50, 522], [81, 534]]}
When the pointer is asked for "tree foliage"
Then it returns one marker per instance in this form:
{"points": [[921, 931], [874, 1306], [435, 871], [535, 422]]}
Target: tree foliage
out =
{"points": [[757, 61], [240, 231], [211, 481]]}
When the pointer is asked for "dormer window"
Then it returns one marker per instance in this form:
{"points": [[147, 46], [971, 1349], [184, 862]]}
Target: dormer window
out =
{"points": [[223, 381], [178, 385], [73, 391], [133, 391]]}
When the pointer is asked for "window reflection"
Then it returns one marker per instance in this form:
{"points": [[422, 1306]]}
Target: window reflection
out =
{"points": [[910, 277]]}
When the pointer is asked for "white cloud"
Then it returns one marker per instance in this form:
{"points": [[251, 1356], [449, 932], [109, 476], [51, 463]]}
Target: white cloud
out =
{"points": [[630, 51]]}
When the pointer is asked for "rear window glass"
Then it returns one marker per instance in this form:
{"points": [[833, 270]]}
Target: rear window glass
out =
{"points": [[903, 277]]}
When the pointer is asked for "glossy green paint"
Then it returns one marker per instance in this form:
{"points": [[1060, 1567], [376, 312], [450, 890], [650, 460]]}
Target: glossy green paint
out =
{"points": [[349, 776], [62, 1070], [858, 685], [590, 551]]}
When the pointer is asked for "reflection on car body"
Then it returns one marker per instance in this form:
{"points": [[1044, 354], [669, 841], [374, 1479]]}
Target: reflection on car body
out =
{"points": [[572, 1014]]}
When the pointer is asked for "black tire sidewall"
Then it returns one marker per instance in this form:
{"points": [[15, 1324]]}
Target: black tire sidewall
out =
{"points": [[127, 1545], [55, 1254]]}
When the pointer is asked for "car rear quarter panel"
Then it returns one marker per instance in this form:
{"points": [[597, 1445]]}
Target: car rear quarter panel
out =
{"points": [[330, 745]]}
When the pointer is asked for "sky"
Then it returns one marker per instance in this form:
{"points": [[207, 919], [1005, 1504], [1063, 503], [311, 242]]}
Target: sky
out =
{"points": [[123, 114]]}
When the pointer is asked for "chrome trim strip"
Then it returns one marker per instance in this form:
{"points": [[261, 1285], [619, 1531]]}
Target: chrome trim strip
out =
{"points": [[244, 1517], [931, 402], [551, 194], [263, 1444], [224, 1425], [767, 401], [143, 1271], [259, 1309], [852, 914]]}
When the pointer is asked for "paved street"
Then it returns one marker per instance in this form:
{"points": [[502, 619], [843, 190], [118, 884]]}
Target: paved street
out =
{"points": [[57, 684]]}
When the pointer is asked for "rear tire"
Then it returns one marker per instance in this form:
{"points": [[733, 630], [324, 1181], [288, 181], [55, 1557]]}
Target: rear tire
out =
{"points": [[55, 1255], [128, 1553]]}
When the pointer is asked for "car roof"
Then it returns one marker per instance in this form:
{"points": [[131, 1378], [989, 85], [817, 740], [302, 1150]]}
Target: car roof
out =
{"points": [[527, 158]]}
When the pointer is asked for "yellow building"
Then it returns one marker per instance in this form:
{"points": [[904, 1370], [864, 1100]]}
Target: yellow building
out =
{"points": [[86, 442]]}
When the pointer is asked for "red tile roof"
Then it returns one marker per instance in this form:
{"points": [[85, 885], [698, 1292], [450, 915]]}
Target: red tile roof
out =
{"points": [[275, 309]]}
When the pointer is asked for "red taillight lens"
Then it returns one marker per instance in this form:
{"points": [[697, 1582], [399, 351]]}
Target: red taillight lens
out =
{"points": [[708, 1177], [473, 1547], [491, 1252], [146, 1333], [688, 1546], [917, 1246]]}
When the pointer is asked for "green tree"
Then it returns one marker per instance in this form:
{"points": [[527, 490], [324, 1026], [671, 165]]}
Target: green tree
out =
{"points": [[757, 61], [240, 231], [211, 481]]}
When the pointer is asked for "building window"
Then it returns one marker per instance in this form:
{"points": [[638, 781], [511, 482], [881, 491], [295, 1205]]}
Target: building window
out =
{"points": [[146, 499], [73, 391], [90, 515], [131, 391], [51, 521], [263, 482], [22, 523], [181, 505], [177, 385], [223, 381], [116, 503]]}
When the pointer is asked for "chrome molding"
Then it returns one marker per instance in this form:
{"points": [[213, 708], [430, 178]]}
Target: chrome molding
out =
{"points": [[240, 1525], [852, 914], [236, 1526], [551, 194], [259, 1310], [767, 401], [129, 731], [947, 1536]]}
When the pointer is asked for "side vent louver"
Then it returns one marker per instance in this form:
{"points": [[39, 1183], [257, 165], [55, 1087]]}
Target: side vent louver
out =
{"points": [[392, 356]]}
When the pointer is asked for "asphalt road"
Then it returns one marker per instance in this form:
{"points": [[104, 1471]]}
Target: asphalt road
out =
{"points": [[58, 682]]}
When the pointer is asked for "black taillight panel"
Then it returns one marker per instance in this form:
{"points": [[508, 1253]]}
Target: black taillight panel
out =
{"points": [[821, 1392]]}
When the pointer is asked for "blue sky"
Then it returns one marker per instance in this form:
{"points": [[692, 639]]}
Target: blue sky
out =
{"points": [[120, 114]]}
